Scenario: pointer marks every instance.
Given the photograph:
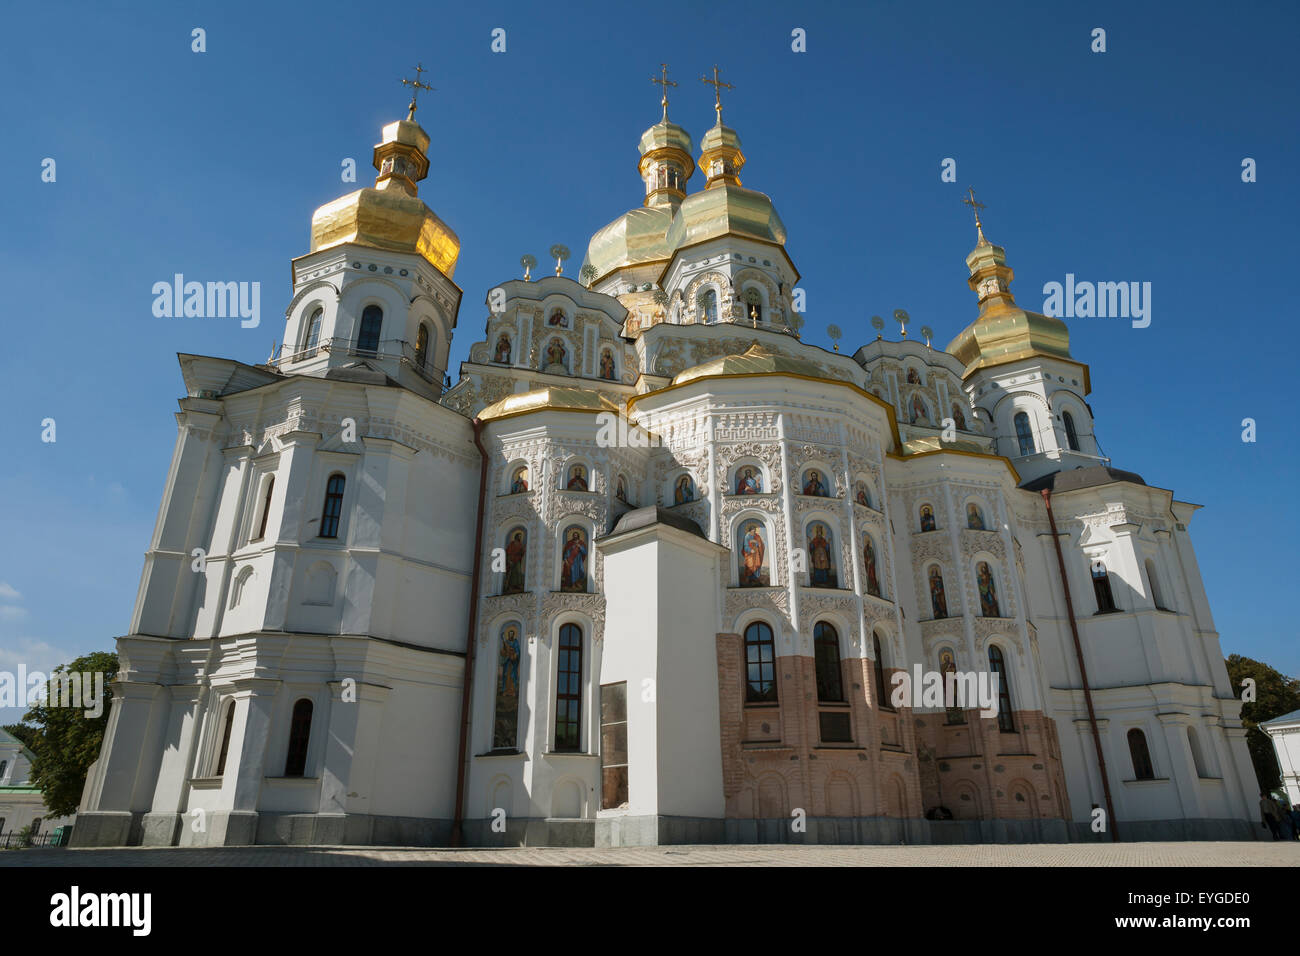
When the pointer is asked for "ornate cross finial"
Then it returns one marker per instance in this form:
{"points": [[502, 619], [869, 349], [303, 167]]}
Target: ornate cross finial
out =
{"points": [[665, 83], [718, 87], [416, 86], [976, 207]]}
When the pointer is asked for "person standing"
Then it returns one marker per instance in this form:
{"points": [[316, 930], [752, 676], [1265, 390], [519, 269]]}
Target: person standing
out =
{"points": [[1270, 815]]}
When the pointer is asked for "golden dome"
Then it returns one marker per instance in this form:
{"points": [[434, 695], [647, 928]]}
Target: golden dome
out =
{"points": [[1003, 332], [724, 209], [565, 398], [636, 237], [758, 360], [390, 216]]}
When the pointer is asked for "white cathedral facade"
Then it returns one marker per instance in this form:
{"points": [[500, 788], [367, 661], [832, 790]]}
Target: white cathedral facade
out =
{"points": [[378, 608]]}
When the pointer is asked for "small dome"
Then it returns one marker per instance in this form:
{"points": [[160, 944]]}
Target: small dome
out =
{"points": [[758, 360], [724, 209], [635, 237], [666, 135], [556, 398], [386, 219]]}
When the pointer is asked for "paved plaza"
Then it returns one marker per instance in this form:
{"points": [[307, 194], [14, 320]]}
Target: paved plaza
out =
{"points": [[1054, 854]]}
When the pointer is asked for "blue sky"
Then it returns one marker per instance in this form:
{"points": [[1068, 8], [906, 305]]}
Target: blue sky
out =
{"points": [[1122, 166]]}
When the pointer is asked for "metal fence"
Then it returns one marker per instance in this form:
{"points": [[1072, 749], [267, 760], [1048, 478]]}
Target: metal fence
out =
{"points": [[15, 840]]}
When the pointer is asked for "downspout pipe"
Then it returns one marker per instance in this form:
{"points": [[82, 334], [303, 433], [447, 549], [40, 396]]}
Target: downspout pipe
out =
{"points": [[1113, 826], [457, 825]]}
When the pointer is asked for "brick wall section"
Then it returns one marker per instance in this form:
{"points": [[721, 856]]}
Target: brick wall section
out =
{"points": [[787, 764]]}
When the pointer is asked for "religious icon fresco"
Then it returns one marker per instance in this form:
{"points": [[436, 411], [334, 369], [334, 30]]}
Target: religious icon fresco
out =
{"points": [[556, 353], [860, 495], [821, 557], [813, 484], [912, 377], [748, 481], [938, 601], [958, 418], [607, 364], [974, 520], [620, 489], [519, 481], [751, 549], [573, 559], [869, 563], [684, 490], [918, 409], [577, 479], [988, 591], [505, 725], [502, 353], [558, 319], [927, 518], [948, 665], [516, 553]]}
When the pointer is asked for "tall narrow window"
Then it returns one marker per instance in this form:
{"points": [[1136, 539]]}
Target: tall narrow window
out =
{"points": [[1198, 758], [1101, 588], [882, 699], [422, 346], [312, 338], [266, 509], [1156, 597], [228, 726], [295, 763], [998, 666], [4, 765], [1071, 436], [372, 320], [1024, 434], [760, 664], [1140, 755], [826, 645], [329, 515], [708, 304], [568, 691]]}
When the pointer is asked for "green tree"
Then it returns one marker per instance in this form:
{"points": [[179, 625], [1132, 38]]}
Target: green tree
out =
{"points": [[1275, 695], [66, 741], [26, 735]]}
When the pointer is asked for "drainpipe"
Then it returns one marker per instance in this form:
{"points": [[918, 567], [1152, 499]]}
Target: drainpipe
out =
{"points": [[1083, 671], [457, 837]]}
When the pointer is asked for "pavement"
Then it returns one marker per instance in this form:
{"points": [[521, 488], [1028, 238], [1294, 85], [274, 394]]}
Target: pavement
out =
{"points": [[1267, 854]]}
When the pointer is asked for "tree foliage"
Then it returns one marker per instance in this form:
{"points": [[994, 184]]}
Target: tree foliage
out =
{"points": [[66, 741], [1275, 695]]}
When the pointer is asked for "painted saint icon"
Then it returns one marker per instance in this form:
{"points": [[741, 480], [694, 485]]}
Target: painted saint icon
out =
{"points": [[918, 409], [519, 481], [927, 518], [577, 479], [948, 665], [748, 482], [620, 490], [573, 567], [958, 418], [813, 484], [684, 490], [753, 550], [516, 553], [912, 377], [938, 602], [558, 319], [502, 353], [988, 591], [505, 723], [556, 353], [869, 563], [607, 364], [974, 520], [821, 557], [860, 495]]}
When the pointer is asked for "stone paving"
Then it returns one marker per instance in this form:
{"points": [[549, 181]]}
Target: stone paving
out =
{"points": [[1055, 854]]}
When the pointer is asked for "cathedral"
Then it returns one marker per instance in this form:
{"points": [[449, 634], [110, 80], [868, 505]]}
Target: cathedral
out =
{"points": [[653, 570]]}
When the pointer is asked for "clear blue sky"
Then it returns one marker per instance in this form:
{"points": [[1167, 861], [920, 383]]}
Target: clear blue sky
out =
{"points": [[1116, 166]]}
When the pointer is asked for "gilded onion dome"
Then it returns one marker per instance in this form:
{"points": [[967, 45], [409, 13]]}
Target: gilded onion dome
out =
{"points": [[757, 360], [1003, 332], [565, 398], [639, 236], [390, 216], [724, 207]]}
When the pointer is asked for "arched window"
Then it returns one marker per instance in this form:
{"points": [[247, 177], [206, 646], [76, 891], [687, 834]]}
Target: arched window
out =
{"points": [[708, 306], [36, 826], [422, 346], [312, 338], [505, 723], [227, 727], [760, 664], [1101, 588], [1024, 434], [1140, 755], [372, 321], [882, 698], [568, 691], [266, 508], [1071, 436], [240, 582], [826, 646], [295, 763], [1154, 585], [4, 765], [329, 515], [998, 666]]}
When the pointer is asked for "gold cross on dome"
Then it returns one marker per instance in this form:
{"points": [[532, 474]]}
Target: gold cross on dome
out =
{"points": [[718, 87], [416, 86], [976, 207], [665, 83]]}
